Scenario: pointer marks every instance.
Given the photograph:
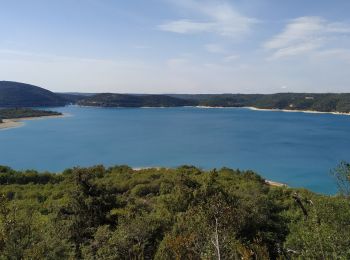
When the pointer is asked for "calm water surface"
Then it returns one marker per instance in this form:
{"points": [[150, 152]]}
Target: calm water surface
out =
{"points": [[295, 148]]}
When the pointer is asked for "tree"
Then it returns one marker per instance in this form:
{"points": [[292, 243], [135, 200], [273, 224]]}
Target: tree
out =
{"points": [[88, 208], [18, 234], [342, 175]]}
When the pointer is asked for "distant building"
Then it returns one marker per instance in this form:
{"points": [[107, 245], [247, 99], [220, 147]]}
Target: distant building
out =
{"points": [[309, 98]]}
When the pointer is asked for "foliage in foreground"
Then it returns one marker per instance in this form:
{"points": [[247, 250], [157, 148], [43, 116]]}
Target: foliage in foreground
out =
{"points": [[183, 213]]}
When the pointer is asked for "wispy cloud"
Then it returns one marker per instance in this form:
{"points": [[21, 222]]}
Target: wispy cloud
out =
{"points": [[340, 54], [187, 26], [215, 48], [304, 35], [231, 58], [216, 17]]}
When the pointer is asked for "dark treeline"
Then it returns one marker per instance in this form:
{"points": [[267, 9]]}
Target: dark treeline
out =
{"points": [[14, 94], [291, 101], [183, 213], [124, 100], [12, 113]]}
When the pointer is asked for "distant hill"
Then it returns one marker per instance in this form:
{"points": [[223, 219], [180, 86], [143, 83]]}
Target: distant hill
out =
{"points": [[127, 100], [15, 94], [327, 102], [72, 98]]}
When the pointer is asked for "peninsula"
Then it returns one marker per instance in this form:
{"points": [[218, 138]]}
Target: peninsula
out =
{"points": [[12, 117]]}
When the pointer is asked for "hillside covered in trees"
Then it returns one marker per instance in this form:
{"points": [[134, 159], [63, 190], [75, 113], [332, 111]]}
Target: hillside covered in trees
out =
{"points": [[183, 213], [13, 113], [14, 94], [290, 101], [124, 100]]}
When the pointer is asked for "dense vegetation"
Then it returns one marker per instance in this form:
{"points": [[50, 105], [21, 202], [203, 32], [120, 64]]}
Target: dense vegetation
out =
{"points": [[124, 100], [72, 98], [14, 94], [291, 101], [183, 213], [11, 113]]}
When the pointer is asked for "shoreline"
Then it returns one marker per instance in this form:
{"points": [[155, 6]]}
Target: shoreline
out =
{"points": [[280, 110], [275, 184], [250, 108], [296, 111], [268, 182], [18, 122]]}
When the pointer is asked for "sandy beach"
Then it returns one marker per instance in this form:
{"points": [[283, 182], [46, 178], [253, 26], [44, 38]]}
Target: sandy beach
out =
{"points": [[18, 122], [297, 111], [280, 110], [10, 123], [276, 184]]}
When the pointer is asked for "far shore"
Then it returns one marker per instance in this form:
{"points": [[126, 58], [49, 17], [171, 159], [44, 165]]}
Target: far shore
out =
{"points": [[297, 111], [250, 108], [283, 110], [18, 122]]}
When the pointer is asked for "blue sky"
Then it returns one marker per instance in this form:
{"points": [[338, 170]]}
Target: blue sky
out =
{"points": [[177, 46]]}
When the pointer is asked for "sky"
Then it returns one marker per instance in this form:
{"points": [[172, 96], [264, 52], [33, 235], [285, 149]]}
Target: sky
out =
{"points": [[177, 46]]}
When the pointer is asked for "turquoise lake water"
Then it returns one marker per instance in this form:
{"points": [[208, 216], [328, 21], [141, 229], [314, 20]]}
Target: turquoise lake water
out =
{"points": [[298, 149]]}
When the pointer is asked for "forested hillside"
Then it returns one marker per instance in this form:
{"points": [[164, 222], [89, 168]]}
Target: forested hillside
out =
{"points": [[124, 100], [12, 113], [15, 94], [183, 213], [291, 101]]}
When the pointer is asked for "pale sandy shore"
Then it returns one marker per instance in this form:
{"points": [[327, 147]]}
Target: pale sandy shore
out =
{"points": [[282, 110], [18, 122], [212, 107], [297, 111], [276, 184], [10, 123]]}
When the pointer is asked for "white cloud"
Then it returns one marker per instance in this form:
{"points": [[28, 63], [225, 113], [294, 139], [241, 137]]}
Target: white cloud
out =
{"points": [[231, 58], [219, 18], [215, 48], [295, 50], [304, 35], [186, 26]]}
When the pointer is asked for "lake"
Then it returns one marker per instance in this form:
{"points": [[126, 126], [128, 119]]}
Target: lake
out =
{"points": [[298, 149]]}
